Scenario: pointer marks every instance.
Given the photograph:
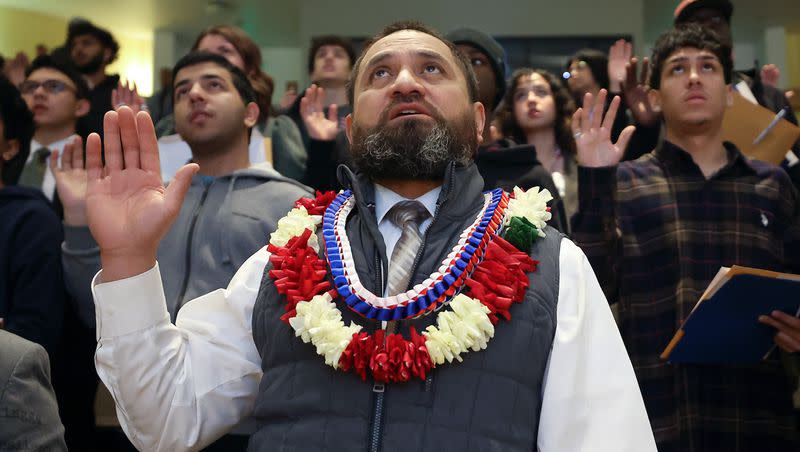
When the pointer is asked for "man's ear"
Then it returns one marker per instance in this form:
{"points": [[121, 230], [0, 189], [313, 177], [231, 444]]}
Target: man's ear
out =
{"points": [[480, 120], [348, 127], [12, 149], [655, 99], [251, 114], [82, 108]]}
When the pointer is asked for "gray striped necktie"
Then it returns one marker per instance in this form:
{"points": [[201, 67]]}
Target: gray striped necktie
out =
{"points": [[407, 215], [33, 172]]}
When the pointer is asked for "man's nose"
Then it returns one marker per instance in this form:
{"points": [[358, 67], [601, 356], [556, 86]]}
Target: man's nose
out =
{"points": [[407, 83]]}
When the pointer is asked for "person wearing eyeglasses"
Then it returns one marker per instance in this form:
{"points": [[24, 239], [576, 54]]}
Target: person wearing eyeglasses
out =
{"points": [[57, 96]]}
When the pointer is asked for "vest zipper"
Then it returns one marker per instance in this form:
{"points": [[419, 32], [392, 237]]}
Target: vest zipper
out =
{"points": [[190, 235], [378, 388]]}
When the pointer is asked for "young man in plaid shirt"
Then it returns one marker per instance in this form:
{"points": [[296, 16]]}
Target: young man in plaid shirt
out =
{"points": [[656, 231]]}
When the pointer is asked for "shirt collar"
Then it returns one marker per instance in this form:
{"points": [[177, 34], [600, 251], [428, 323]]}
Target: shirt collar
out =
{"points": [[54, 146], [385, 199], [679, 160]]}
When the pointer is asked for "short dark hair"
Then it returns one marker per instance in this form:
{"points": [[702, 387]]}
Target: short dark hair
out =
{"points": [[240, 81], [47, 62], [565, 107], [461, 60], [17, 125], [597, 62], [689, 35], [330, 40], [84, 27]]}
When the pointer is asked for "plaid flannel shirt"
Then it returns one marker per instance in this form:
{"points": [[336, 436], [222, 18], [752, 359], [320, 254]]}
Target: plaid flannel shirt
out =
{"points": [[656, 232]]}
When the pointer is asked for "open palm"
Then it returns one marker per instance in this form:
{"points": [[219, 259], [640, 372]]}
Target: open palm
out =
{"points": [[128, 208], [312, 111], [592, 131]]}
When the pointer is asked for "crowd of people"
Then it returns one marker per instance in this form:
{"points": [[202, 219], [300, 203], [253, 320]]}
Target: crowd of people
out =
{"points": [[201, 293]]}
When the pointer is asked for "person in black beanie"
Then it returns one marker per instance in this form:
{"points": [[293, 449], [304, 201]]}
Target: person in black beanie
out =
{"points": [[502, 163]]}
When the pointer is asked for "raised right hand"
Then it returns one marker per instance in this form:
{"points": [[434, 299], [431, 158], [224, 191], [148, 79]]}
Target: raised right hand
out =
{"points": [[592, 132], [71, 182], [128, 208], [635, 90], [619, 56], [127, 94], [312, 111]]}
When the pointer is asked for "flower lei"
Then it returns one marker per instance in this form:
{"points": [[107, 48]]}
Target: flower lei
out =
{"points": [[479, 280]]}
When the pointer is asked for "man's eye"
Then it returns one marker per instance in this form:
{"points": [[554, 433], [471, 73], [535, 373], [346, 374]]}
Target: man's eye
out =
{"points": [[432, 69], [708, 67], [677, 70], [380, 73]]}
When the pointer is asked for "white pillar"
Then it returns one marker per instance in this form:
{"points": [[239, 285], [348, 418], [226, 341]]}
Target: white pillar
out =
{"points": [[164, 54], [775, 45]]}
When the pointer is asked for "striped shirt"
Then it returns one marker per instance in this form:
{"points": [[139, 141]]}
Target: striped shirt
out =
{"points": [[656, 231]]}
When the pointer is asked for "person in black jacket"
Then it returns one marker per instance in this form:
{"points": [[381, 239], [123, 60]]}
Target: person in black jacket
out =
{"points": [[32, 295], [503, 163], [91, 50]]}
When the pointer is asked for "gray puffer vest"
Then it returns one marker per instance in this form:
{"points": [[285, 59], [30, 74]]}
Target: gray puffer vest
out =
{"points": [[490, 401]]}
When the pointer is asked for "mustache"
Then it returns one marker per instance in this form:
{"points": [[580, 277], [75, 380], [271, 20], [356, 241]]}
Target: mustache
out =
{"points": [[383, 118]]}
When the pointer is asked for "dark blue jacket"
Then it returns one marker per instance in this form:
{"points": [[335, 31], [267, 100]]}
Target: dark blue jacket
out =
{"points": [[32, 295]]}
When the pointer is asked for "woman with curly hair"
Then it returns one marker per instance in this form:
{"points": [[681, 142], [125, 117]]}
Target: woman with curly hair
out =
{"points": [[537, 110]]}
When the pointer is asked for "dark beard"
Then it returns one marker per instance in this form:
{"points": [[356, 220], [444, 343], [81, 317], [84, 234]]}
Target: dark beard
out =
{"points": [[92, 65], [413, 149]]}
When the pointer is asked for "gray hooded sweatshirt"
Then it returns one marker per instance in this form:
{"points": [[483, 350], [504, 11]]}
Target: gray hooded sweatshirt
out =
{"points": [[222, 222]]}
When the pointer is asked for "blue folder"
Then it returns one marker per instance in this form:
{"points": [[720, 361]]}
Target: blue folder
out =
{"points": [[724, 328]]}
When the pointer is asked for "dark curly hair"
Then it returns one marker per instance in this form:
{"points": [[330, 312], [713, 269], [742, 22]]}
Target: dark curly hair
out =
{"points": [[330, 40], [565, 107], [689, 35]]}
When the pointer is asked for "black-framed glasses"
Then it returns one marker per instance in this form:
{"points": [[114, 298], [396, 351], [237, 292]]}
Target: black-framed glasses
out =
{"points": [[50, 86]]}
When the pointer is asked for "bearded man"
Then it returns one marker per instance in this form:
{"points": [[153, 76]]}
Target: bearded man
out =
{"points": [[91, 50], [512, 355]]}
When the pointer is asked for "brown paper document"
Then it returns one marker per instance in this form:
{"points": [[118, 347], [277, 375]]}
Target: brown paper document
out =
{"points": [[743, 123]]}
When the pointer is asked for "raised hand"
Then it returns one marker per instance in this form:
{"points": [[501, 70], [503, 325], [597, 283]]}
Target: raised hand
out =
{"points": [[619, 56], [127, 95], [635, 91], [592, 132], [14, 69], [288, 99], [128, 208], [71, 182], [311, 110], [770, 75]]}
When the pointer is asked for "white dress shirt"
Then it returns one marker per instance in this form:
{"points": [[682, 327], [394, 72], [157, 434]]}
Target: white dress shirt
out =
{"points": [[49, 182], [385, 199], [180, 387]]}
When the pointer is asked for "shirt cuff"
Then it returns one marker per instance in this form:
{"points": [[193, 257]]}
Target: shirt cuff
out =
{"points": [[130, 304]]}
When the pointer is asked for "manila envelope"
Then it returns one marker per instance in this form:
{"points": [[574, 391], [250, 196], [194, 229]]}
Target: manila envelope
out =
{"points": [[744, 121]]}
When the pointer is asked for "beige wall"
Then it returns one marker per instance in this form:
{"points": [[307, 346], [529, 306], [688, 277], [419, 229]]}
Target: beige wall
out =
{"points": [[23, 30]]}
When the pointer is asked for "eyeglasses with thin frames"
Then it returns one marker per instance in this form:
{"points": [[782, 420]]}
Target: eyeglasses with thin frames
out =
{"points": [[50, 86]]}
